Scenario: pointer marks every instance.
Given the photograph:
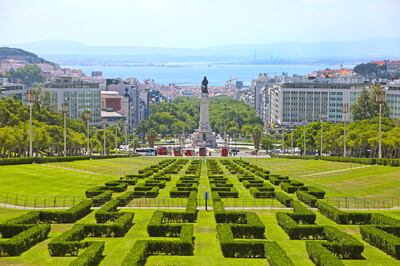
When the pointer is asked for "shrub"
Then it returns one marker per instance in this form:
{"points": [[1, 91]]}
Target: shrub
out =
{"points": [[320, 255], [91, 256], [23, 240], [284, 199], [275, 255], [342, 217], [295, 231], [101, 198], [380, 237], [306, 198]]}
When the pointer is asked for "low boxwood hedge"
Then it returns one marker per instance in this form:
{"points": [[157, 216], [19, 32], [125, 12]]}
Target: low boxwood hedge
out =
{"points": [[21, 237]]}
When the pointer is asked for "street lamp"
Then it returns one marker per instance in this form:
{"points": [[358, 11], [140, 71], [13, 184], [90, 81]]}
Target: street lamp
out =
{"points": [[291, 126], [304, 137], [65, 109], [104, 137], [88, 115], [380, 99], [345, 112], [30, 99]]}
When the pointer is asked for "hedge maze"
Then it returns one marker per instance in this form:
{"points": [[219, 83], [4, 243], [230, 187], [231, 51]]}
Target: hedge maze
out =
{"points": [[240, 236]]}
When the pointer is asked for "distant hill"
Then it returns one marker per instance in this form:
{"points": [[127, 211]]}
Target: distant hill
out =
{"points": [[344, 51], [19, 54]]}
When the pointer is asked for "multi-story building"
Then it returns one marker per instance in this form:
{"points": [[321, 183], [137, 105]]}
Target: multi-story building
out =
{"points": [[8, 90], [393, 99], [295, 104], [130, 103], [80, 97]]}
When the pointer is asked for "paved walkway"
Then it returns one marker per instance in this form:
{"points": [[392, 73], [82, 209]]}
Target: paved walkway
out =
{"points": [[335, 171]]}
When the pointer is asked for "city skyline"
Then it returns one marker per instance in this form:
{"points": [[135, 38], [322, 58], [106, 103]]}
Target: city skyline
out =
{"points": [[196, 24]]}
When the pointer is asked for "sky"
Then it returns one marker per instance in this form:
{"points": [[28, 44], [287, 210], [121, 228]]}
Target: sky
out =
{"points": [[196, 23]]}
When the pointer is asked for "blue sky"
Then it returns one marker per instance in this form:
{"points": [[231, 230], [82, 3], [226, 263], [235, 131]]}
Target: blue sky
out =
{"points": [[196, 23]]}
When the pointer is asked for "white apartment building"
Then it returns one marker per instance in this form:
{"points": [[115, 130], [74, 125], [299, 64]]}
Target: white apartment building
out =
{"points": [[80, 97], [393, 99]]}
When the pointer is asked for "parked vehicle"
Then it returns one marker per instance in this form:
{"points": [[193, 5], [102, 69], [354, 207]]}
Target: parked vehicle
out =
{"points": [[146, 151], [162, 150], [224, 151]]}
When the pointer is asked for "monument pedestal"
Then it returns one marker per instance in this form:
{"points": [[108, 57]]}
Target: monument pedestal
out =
{"points": [[204, 137]]}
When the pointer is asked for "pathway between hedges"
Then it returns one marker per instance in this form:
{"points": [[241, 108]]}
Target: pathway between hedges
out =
{"points": [[335, 171]]}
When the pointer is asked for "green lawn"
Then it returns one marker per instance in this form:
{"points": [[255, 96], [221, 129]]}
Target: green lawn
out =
{"points": [[62, 184], [74, 177], [369, 182]]}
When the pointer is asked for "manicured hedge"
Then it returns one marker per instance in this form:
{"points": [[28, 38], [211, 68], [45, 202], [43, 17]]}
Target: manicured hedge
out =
{"points": [[22, 237], [15, 161], [284, 199], [276, 255], [92, 255], [342, 217], [296, 231], [306, 198], [383, 238], [320, 255]]}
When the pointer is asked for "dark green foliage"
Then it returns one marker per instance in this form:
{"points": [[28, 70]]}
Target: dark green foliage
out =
{"points": [[15, 161], [382, 238], [284, 199], [307, 198], [22, 237], [101, 198], [320, 255], [92, 255], [276, 256], [296, 231], [342, 217]]}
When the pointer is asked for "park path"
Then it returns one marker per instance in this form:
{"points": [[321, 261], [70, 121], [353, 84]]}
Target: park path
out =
{"points": [[336, 171], [71, 169]]}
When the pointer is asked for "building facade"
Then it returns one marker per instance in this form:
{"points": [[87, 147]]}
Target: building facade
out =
{"points": [[80, 97]]}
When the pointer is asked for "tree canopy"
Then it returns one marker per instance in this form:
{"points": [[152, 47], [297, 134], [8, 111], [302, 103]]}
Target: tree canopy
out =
{"points": [[173, 118]]}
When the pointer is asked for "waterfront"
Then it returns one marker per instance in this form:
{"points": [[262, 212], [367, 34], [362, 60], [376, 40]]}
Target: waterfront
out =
{"points": [[191, 74]]}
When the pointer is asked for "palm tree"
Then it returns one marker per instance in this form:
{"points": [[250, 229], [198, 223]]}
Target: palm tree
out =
{"points": [[256, 135], [151, 137]]}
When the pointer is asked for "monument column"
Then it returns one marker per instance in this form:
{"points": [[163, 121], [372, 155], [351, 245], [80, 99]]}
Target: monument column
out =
{"points": [[204, 137]]}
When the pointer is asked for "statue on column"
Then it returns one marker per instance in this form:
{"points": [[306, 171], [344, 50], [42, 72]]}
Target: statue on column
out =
{"points": [[204, 85]]}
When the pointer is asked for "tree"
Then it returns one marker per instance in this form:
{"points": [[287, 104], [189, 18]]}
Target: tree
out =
{"points": [[256, 135], [363, 108], [27, 75], [366, 105], [151, 137]]}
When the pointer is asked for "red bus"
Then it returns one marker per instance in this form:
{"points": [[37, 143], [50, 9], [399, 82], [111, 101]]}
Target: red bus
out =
{"points": [[202, 151], [162, 151], [188, 153], [177, 151], [224, 151]]}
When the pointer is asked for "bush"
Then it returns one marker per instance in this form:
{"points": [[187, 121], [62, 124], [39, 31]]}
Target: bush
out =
{"points": [[302, 214], [380, 237], [296, 231], [284, 199], [320, 255], [341, 244], [91, 256], [306, 198], [342, 217], [275, 255], [23, 240], [102, 198]]}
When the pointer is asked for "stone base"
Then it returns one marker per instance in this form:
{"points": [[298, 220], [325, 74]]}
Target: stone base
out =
{"points": [[203, 138]]}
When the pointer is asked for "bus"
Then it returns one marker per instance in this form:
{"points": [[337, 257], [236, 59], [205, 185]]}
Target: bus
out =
{"points": [[188, 152], [224, 151], [162, 150], [202, 151], [177, 151], [146, 151]]}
